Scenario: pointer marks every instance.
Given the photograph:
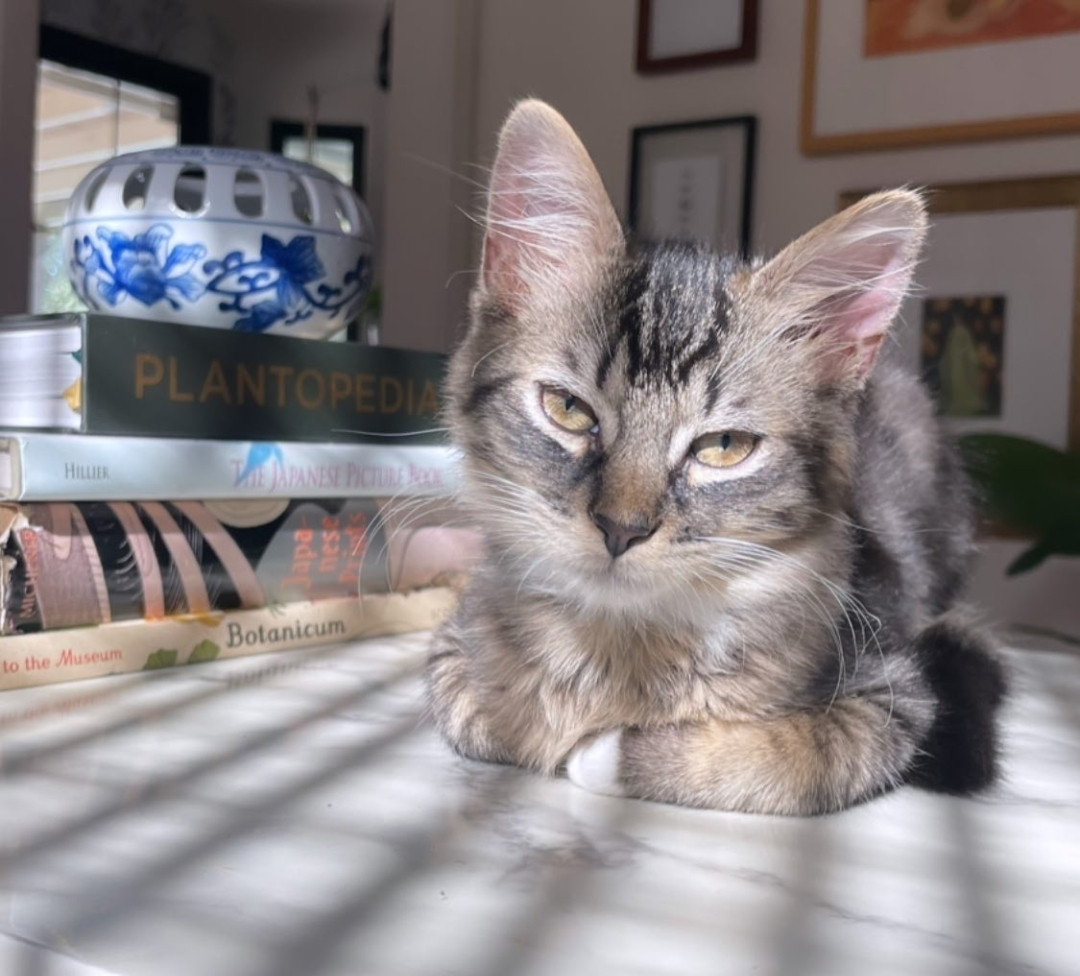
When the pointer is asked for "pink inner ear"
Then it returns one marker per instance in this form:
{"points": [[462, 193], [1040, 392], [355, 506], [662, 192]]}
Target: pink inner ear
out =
{"points": [[857, 321], [549, 220], [501, 271], [865, 322], [537, 237], [501, 275]]}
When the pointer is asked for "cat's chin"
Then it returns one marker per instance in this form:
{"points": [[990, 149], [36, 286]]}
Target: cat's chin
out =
{"points": [[600, 585], [618, 587], [584, 577]]}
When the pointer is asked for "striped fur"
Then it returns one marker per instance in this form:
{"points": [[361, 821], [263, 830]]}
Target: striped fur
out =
{"points": [[782, 636]]}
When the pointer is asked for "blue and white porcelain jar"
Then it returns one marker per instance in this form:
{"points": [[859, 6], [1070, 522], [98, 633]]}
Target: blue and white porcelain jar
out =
{"points": [[227, 238]]}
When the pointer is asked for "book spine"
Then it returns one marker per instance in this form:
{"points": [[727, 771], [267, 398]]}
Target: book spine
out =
{"points": [[87, 652], [84, 467], [66, 564], [163, 379]]}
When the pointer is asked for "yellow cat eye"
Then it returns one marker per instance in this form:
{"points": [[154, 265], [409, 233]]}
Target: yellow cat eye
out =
{"points": [[568, 411], [724, 449]]}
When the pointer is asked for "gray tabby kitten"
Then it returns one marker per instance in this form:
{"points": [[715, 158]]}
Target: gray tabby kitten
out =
{"points": [[721, 544]]}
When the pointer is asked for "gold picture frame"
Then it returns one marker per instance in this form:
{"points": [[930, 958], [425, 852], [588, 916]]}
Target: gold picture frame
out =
{"points": [[1009, 200], [835, 67]]}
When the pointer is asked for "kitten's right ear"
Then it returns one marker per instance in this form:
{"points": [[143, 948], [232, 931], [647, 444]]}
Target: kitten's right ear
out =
{"points": [[840, 286], [549, 226]]}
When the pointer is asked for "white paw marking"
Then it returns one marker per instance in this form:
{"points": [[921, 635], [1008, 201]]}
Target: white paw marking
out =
{"points": [[595, 765]]}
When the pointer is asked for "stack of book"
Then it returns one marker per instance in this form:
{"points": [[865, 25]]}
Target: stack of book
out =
{"points": [[172, 494]]}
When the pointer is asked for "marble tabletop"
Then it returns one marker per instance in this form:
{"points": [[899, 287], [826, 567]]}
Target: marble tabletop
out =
{"points": [[295, 814]]}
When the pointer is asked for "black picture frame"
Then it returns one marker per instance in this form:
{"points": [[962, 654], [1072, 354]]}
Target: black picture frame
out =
{"points": [[733, 140], [281, 129], [649, 62], [194, 90]]}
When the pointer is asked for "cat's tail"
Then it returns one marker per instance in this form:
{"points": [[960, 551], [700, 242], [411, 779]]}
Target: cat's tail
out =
{"points": [[961, 751]]}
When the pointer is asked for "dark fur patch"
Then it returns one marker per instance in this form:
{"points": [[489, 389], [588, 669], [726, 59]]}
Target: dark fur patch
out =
{"points": [[712, 391], [705, 350], [961, 751], [604, 368], [631, 321], [879, 576], [670, 320], [813, 459], [482, 392], [588, 468]]}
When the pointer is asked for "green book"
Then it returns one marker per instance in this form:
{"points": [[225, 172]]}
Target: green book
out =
{"points": [[100, 374]]}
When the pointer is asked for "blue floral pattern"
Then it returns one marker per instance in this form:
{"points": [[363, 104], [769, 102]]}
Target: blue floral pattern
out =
{"points": [[142, 266], [282, 284]]}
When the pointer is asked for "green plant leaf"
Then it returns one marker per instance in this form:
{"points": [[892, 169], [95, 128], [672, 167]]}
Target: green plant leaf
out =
{"points": [[1028, 486], [161, 658], [205, 650], [1028, 559]]}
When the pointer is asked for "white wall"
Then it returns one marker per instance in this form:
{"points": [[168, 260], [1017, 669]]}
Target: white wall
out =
{"points": [[429, 146], [1046, 597]]}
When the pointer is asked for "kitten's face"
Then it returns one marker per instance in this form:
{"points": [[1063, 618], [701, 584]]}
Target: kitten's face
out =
{"points": [[654, 405], [637, 425]]}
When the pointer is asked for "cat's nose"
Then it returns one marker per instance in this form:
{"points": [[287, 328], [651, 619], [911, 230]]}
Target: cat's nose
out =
{"points": [[619, 537]]}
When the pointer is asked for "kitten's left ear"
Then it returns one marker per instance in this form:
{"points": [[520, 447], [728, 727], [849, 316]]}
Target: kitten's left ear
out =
{"points": [[550, 226], [841, 285]]}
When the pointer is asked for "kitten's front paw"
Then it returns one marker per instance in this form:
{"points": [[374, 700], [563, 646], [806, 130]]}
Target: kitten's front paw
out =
{"points": [[594, 766]]}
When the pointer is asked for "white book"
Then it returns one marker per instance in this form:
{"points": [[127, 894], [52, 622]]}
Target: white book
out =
{"points": [[83, 467], [32, 376]]}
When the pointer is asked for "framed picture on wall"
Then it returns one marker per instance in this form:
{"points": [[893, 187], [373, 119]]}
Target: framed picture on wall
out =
{"points": [[336, 148], [673, 35], [694, 181], [883, 74], [994, 330]]}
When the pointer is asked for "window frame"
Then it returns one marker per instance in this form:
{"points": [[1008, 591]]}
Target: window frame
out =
{"points": [[282, 129], [193, 89]]}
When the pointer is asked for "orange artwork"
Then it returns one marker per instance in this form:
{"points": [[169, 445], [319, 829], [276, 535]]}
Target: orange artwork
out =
{"points": [[906, 26]]}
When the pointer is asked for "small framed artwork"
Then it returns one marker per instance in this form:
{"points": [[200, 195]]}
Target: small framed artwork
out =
{"points": [[884, 74], [694, 181], [338, 149], [962, 353], [994, 327], [674, 35]]}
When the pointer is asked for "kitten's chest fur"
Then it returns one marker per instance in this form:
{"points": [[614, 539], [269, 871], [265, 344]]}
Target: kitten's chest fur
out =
{"points": [[551, 673], [629, 674]]}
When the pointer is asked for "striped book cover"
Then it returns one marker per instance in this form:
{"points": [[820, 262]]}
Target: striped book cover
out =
{"points": [[67, 564]]}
